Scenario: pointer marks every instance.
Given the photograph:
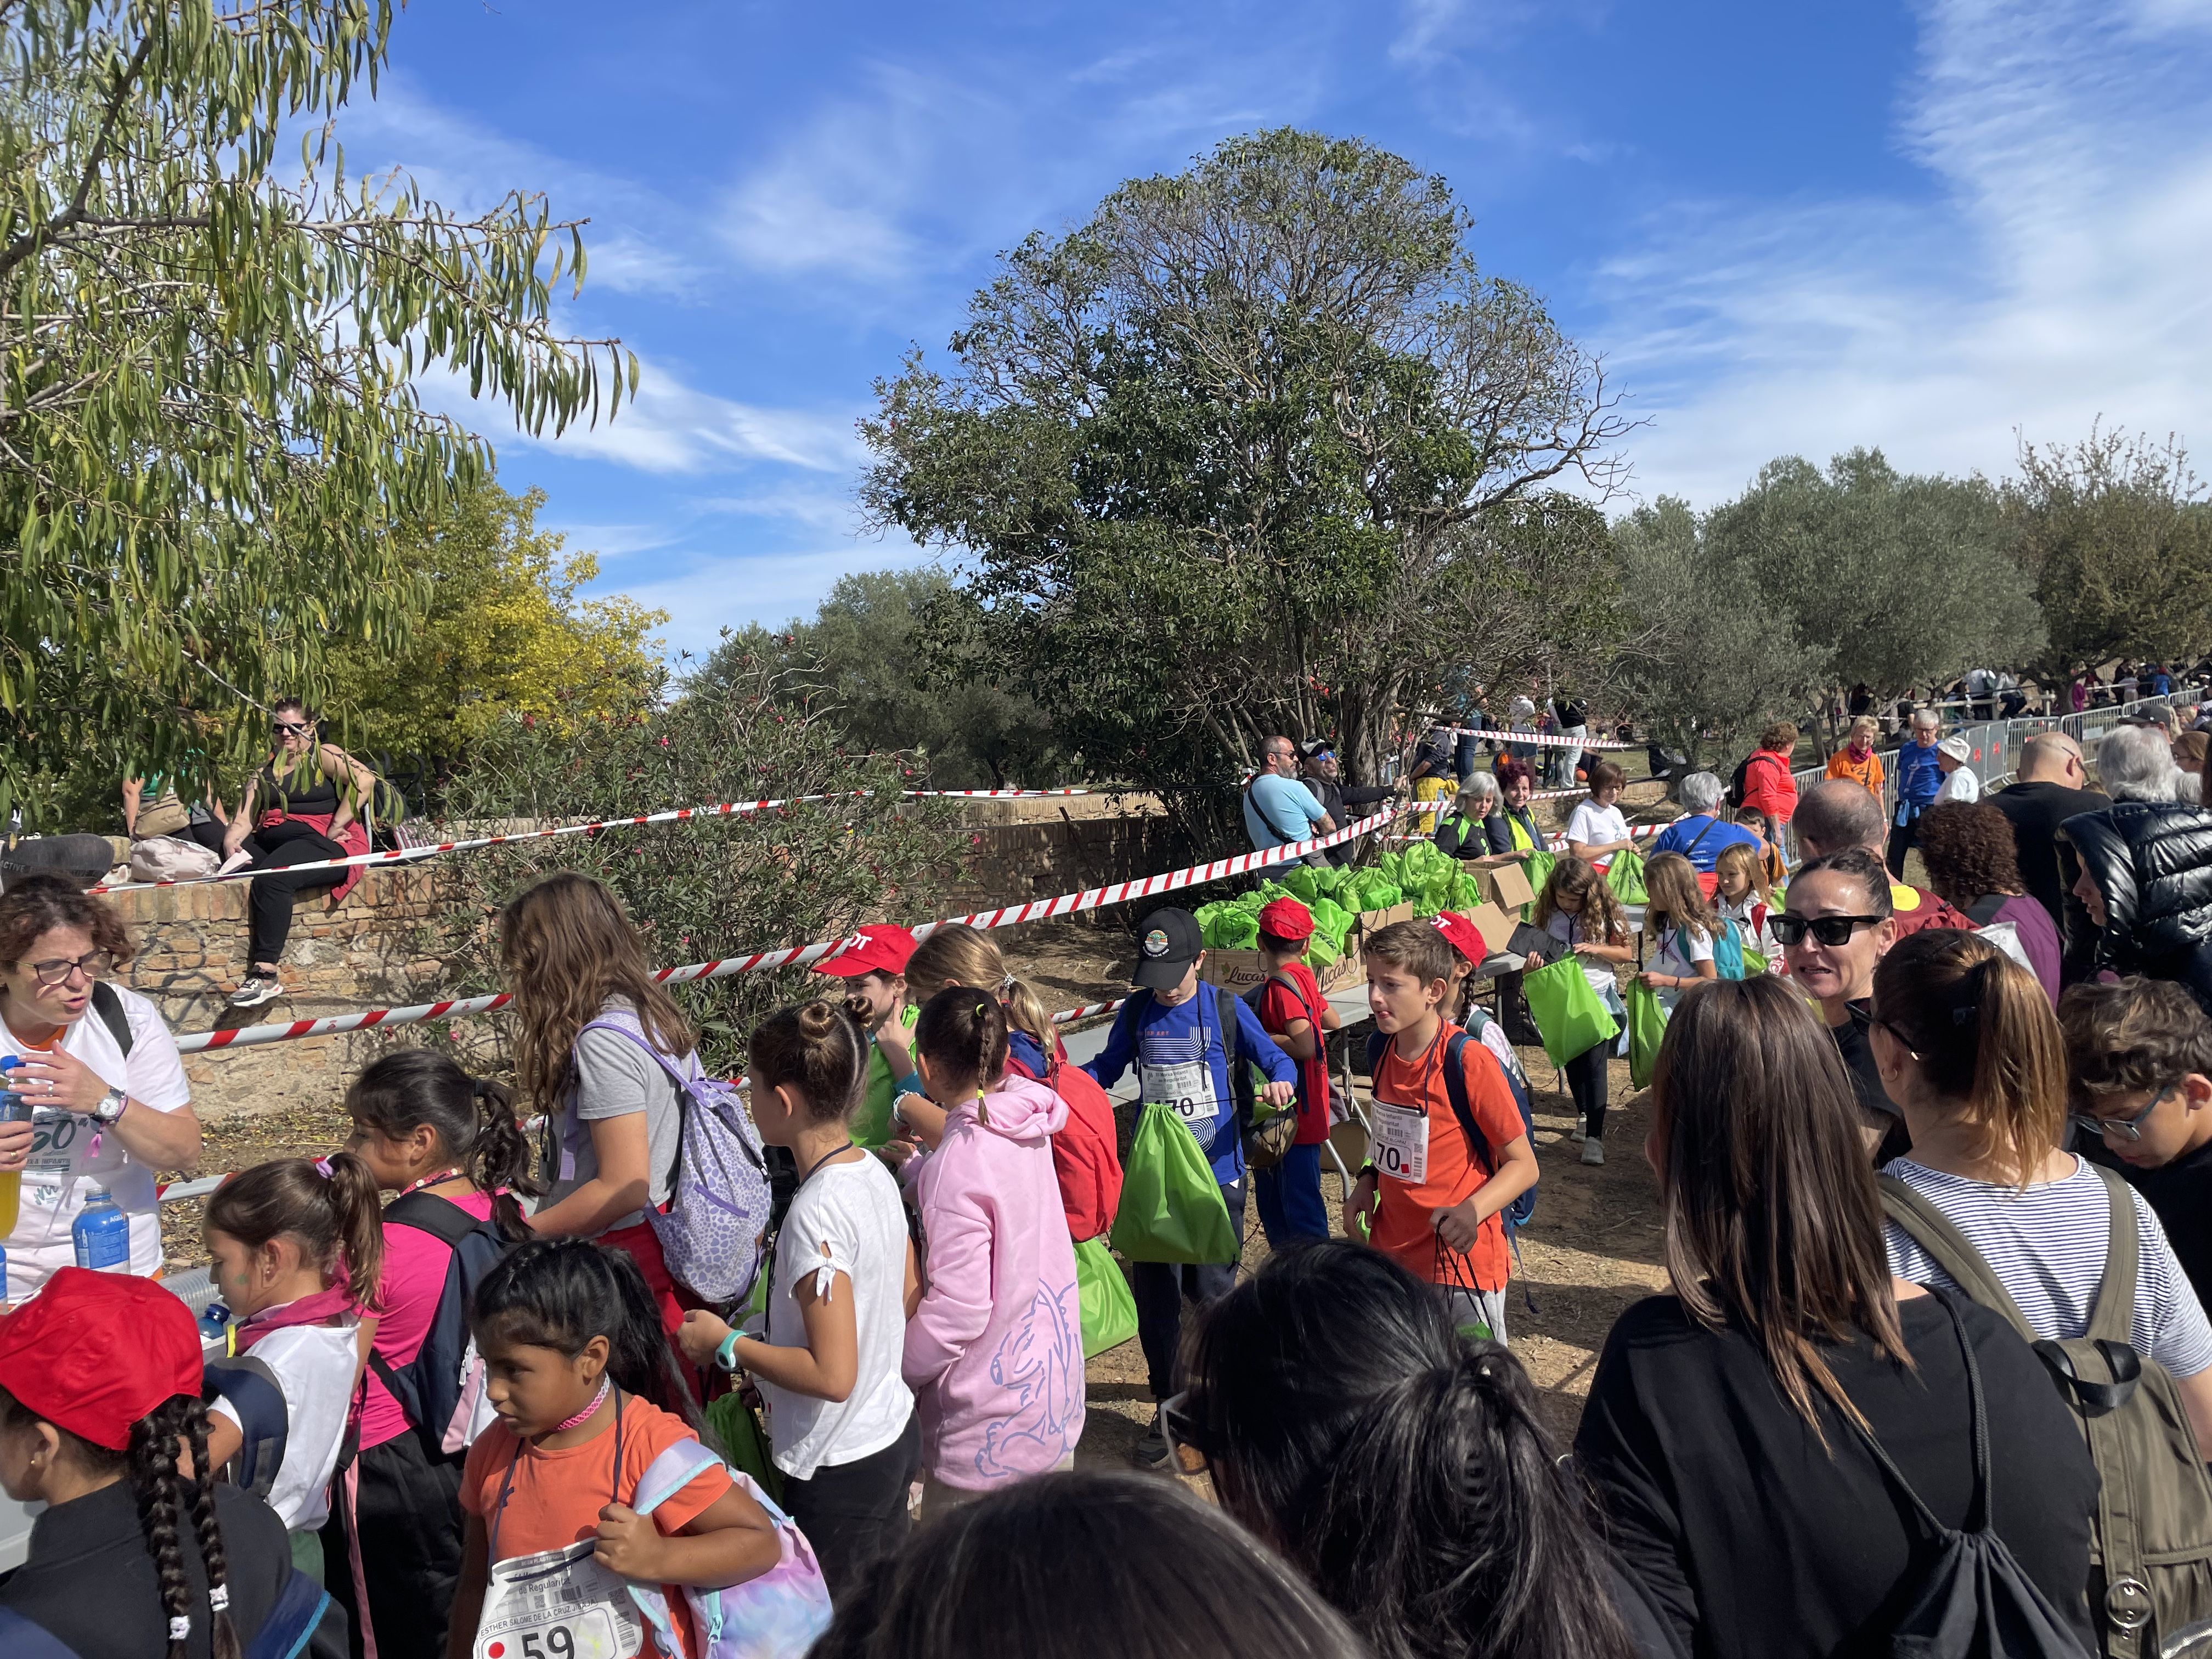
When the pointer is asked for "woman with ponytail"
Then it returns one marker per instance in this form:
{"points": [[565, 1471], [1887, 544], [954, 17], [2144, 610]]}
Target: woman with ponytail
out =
{"points": [[448, 1146], [1401, 1468], [1726, 1436], [1973, 1055], [101, 1421], [298, 1249]]}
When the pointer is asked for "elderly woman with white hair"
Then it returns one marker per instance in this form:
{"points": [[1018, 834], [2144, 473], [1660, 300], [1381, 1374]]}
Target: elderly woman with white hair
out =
{"points": [[2146, 875], [1464, 832], [1700, 834]]}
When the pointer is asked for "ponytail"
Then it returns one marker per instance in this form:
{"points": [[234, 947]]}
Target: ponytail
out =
{"points": [[1984, 1035], [330, 1205], [473, 1118], [962, 1035], [500, 1161], [1025, 1012]]}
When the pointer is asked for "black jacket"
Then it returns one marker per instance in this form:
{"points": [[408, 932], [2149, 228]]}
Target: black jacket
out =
{"points": [[1334, 798], [2152, 861]]}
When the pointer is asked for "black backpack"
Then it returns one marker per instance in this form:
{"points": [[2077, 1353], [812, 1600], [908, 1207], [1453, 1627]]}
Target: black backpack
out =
{"points": [[432, 1388], [264, 1423], [1972, 1601], [1738, 780], [1516, 1213]]}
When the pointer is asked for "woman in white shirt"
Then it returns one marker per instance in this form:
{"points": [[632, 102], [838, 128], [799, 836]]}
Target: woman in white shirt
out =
{"points": [[845, 1432], [1597, 829], [1960, 783], [108, 1100], [1682, 924]]}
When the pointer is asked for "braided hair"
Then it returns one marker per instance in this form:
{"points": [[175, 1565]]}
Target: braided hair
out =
{"points": [[151, 1464], [962, 1035]]}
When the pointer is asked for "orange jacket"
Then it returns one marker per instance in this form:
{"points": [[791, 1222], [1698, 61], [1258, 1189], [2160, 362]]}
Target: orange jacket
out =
{"points": [[1867, 774]]}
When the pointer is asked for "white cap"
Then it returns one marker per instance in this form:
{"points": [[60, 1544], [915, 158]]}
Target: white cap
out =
{"points": [[1956, 748]]}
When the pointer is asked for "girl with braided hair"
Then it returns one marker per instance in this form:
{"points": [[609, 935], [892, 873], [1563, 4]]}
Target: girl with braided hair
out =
{"points": [[995, 1350], [1401, 1468], [100, 1419]]}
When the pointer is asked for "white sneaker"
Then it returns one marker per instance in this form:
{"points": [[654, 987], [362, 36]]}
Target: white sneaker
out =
{"points": [[1593, 1151], [1579, 1132]]}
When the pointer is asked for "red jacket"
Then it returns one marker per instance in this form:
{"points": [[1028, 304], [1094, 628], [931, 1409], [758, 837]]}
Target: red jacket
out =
{"points": [[1767, 786], [1086, 1151]]}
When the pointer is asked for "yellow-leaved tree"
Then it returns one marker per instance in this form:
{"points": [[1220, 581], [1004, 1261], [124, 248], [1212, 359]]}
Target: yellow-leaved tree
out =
{"points": [[506, 634]]}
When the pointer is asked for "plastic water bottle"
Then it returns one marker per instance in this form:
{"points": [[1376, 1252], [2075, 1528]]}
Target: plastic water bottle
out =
{"points": [[102, 1236], [13, 1109], [214, 1319]]}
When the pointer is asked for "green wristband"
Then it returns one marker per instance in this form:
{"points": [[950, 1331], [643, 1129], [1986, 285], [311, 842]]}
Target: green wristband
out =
{"points": [[727, 1355]]}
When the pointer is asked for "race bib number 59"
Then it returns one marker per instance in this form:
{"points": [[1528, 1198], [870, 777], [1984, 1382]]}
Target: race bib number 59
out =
{"points": [[587, 1634]]}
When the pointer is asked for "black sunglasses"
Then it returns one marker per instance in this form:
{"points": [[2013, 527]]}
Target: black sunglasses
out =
{"points": [[286, 729], [1825, 930]]}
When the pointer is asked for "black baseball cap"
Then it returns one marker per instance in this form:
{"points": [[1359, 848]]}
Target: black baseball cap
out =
{"points": [[1168, 942]]}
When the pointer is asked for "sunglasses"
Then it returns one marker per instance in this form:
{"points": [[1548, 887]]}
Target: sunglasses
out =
{"points": [[1180, 1430], [2123, 1129], [286, 729], [1825, 930], [96, 965]]}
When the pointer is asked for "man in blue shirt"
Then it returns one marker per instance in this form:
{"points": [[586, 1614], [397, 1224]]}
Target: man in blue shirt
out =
{"points": [[1176, 1030], [1700, 836], [1278, 808]]}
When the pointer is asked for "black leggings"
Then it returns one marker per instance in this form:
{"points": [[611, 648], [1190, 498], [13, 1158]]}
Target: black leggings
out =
{"points": [[273, 849], [854, 1513], [1586, 1082], [409, 1517]]}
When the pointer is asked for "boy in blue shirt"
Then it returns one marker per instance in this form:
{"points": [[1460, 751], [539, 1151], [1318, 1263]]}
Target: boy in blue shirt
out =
{"points": [[1180, 1034]]}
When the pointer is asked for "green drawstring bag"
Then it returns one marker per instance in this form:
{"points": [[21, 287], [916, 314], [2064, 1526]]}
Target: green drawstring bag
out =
{"points": [[1625, 875], [1755, 963], [736, 1425], [1569, 1015], [1171, 1206], [1537, 866], [1647, 1025], [1110, 1312]]}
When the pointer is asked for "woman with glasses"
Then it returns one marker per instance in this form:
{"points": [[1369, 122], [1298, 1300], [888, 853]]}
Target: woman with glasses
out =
{"points": [[1834, 926], [99, 1077], [1726, 1435], [1401, 1468], [304, 806], [1970, 1050]]}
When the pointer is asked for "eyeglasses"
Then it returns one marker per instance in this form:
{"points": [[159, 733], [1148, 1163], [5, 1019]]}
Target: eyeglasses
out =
{"points": [[2123, 1129], [96, 965], [1179, 1430], [286, 729], [1825, 930]]}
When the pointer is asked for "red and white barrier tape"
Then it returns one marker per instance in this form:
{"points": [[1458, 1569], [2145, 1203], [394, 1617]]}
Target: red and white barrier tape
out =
{"points": [[676, 814], [1539, 739], [1119, 892]]}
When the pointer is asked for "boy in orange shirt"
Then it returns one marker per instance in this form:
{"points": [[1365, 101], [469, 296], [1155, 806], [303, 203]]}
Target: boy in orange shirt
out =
{"points": [[1426, 1195]]}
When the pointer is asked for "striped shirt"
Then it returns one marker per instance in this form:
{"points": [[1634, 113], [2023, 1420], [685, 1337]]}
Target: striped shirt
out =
{"points": [[2046, 1246]]}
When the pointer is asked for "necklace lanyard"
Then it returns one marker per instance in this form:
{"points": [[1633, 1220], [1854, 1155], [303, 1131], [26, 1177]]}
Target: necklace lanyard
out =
{"points": [[845, 1146], [427, 1181], [614, 1495]]}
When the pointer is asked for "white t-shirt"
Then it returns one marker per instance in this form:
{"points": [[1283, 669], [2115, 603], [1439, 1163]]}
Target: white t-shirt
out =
{"points": [[315, 1367], [1595, 825], [1959, 784], [1569, 931], [69, 1156], [1680, 950], [846, 1219]]}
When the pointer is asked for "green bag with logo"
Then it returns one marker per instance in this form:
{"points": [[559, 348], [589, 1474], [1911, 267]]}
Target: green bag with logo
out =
{"points": [[1647, 1025], [1570, 1016], [1110, 1312], [1171, 1206], [1625, 875]]}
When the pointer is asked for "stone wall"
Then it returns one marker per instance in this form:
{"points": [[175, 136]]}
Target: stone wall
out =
{"points": [[372, 951]]}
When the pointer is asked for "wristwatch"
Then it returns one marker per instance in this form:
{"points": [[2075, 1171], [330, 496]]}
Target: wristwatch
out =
{"points": [[110, 1107]]}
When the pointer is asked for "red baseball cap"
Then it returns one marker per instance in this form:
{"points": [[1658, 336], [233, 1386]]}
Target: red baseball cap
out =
{"points": [[882, 949], [1286, 918], [94, 1352], [1462, 935]]}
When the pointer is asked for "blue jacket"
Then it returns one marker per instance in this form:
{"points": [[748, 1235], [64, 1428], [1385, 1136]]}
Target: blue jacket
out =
{"points": [[1145, 1031], [1918, 777]]}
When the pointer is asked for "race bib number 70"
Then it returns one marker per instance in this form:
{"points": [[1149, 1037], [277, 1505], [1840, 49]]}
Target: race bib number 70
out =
{"points": [[1400, 1142]]}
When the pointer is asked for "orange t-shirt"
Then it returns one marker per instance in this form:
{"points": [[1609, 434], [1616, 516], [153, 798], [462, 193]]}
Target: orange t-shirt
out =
{"points": [[556, 1496], [1866, 773], [1452, 1172]]}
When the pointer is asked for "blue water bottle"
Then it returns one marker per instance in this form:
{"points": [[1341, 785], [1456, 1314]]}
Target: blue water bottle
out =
{"points": [[102, 1236]]}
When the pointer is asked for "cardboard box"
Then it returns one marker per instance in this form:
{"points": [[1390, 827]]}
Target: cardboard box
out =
{"points": [[1495, 926], [1240, 970], [1503, 882], [1373, 921]]}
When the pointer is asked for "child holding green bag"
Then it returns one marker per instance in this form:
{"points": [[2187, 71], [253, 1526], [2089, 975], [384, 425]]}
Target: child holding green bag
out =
{"points": [[1579, 911], [1181, 1220]]}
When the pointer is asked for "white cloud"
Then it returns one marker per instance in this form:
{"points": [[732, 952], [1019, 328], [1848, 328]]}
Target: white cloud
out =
{"points": [[671, 427], [2056, 276], [769, 588]]}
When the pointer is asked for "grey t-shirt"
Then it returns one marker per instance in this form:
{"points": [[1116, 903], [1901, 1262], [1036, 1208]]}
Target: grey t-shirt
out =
{"points": [[615, 1077]]}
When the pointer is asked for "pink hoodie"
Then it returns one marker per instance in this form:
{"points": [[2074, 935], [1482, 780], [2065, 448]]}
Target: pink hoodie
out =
{"points": [[994, 1353]]}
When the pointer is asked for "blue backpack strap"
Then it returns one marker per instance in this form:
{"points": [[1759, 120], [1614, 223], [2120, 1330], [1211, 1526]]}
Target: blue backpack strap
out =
{"points": [[1232, 1056], [683, 1462], [19, 1638], [265, 1421], [297, 1613]]}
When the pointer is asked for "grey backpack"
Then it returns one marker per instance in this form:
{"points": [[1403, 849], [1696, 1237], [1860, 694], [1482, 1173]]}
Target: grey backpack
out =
{"points": [[2150, 1551]]}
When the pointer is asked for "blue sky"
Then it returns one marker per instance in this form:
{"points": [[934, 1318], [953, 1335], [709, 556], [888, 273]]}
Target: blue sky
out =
{"points": [[1786, 227]]}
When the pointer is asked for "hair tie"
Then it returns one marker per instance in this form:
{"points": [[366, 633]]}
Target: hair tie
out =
{"points": [[1005, 985], [181, 1629], [323, 1168], [1975, 984], [219, 1598]]}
